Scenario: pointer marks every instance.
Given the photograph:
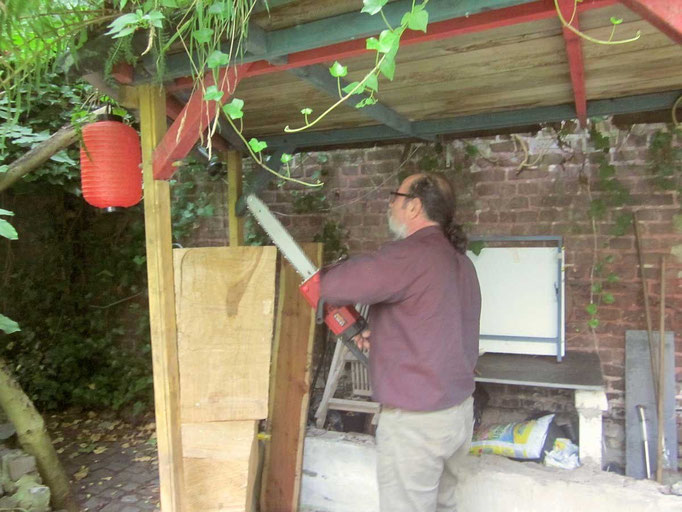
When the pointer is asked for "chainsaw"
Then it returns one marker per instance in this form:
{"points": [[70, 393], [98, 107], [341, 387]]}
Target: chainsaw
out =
{"points": [[345, 322]]}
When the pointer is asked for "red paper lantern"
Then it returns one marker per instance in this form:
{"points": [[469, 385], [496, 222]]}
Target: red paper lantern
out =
{"points": [[110, 163]]}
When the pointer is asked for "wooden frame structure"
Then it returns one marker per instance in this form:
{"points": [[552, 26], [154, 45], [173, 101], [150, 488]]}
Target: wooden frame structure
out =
{"points": [[486, 65]]}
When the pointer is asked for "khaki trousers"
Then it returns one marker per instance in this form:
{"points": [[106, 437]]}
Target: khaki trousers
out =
{"points": [[417, 453]]}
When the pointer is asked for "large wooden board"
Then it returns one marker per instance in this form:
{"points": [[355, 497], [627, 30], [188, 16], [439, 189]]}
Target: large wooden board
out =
{"points": [[225, 309], [290, 383], [220, 465]]}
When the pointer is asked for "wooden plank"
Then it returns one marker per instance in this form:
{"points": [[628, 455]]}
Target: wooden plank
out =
{"points": [[220, 465], [225, 312], [174, 108], [289, 391], [234, 192], [666, 15], [161, 304], [341, 404]]}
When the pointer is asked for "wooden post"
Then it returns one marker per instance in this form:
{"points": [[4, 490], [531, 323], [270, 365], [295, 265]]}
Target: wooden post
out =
{"points": [[661, 382], [161, 303], [234, 192]]}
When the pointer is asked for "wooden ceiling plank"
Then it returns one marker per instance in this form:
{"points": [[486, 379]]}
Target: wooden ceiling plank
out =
{"points": [[321, 41], [665, 15], [574, 53]]}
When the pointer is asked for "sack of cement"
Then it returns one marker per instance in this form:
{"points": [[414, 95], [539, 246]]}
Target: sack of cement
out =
{"points": [[523, 440], [564, 455]]}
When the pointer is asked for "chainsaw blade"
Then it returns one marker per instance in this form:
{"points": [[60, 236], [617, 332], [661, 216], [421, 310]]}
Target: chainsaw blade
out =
{"points": [[281, 237]]}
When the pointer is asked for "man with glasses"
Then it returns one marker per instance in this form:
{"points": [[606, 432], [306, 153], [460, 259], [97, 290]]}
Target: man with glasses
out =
{"points": [[424, 321]]}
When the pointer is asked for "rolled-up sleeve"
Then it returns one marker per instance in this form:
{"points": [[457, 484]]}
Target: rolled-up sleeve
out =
{"points": [[368, 279]]}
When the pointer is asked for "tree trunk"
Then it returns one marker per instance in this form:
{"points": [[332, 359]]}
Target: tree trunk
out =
{"points": [[34, 439]]}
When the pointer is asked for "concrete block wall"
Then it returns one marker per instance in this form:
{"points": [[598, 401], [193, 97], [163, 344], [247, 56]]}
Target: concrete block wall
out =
{"points": [[551, 197], [20, 485]]}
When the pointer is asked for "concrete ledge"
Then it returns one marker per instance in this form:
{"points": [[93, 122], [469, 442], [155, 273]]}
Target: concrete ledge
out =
{"points": [[339, 475]]}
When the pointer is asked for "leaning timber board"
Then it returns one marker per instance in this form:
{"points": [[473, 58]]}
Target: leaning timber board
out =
{"points": [[289, 395], [225, 312]]}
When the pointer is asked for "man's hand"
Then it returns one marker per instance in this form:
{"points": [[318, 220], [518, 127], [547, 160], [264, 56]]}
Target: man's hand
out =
{"points": [[362, 339]]}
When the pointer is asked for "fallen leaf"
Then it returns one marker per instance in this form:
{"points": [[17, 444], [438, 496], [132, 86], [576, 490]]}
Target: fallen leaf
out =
{"points": [[100, 449], [142, 459], [81, 473]]}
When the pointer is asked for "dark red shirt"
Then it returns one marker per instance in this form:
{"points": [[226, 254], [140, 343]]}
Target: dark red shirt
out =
{"points": [[424, 317]]}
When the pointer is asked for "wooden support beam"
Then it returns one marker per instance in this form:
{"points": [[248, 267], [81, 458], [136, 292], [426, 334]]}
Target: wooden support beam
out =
{"points": [[194, 119], [174, 109], [319, 76], [665, 15], [289, 391], [574, 53], [162, 304], [478, 122], [234, 191], [123, 73]]}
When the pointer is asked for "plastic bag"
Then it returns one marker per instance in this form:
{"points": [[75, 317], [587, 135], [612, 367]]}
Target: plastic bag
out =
{"points": [[523, 440], [564, 455]]}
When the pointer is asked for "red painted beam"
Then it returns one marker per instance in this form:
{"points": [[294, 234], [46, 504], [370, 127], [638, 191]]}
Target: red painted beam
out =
{"points": [[173, 110], [488, 20], [192, 121], [665, 15], [574, 52], [122, 73]]}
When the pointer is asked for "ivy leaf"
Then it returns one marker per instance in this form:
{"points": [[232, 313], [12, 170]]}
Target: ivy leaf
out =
{"points": [[8, 325], [217, 59], [307, 111], [234, 108], [154, 18], [352, 86], [168, 3], [213, 94], [387, 66], [596, 288], [286, 158], [373, 6], [608, 298], [616, 21], [591, 308], [476, 246], [387, 39], [338, 70], [612, 278], [203, 35], [222, 9], [7, 230], [416, 20], [6, 212], [257, 145], [593, 323], [371, 82]]}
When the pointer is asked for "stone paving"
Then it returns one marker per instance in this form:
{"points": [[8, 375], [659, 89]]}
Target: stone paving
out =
{"points": [[112, 464]]}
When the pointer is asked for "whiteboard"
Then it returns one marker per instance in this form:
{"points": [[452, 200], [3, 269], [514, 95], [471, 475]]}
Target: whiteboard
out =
{"points": [[521, 299]]}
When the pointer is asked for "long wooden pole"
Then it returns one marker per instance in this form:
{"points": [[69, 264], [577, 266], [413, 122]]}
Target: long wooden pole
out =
{"points": [[661, 380], [162, 304], [647, 308]]}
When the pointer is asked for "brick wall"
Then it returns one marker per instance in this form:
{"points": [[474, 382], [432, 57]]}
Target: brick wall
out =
{"points": [[551, 197]]}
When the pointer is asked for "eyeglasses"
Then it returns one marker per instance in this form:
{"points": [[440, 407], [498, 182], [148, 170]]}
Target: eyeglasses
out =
{"points": [[394, 194]]}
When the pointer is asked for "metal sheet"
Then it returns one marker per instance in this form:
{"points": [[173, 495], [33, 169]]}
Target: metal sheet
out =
{"points": [[639, 391]]}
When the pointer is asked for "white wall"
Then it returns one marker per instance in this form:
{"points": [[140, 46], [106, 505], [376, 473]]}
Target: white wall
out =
{"points": [[339, 476]]}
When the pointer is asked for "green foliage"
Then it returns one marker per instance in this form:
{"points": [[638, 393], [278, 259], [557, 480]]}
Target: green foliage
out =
{"points": [[334, 237], [476, 246], [665, 159], [309, 202]]}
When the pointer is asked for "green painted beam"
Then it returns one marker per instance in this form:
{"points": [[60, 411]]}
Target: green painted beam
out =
{"points": [[477, 122], [319, 77], [331, 30]]}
